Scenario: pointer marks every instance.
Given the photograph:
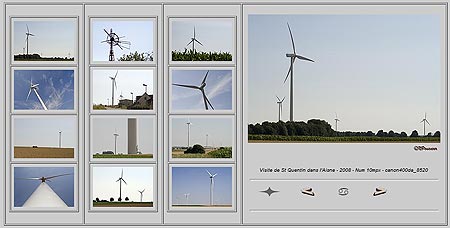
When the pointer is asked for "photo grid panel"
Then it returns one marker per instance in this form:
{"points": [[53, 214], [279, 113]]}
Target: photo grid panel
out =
{"points": [[202, 110], [122, 110], [44, 133]]}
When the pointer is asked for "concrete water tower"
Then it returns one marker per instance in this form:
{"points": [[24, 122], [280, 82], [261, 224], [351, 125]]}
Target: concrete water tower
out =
{"points": [[132, 135]]}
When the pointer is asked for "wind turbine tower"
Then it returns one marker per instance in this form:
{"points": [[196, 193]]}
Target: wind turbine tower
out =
{"points": [[114, 85], [28, 34], [280, 107], [293, 56], [425, 121], [120, 180], [141, 193], [336, 121], [60, 132], [188, 134], [211, 187], [115, 141]]}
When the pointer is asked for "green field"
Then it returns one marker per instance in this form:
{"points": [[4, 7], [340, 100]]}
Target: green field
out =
{"points": [[338, 139], [123, 204], [225, 152], [123, 155], [189, 55], [36, 57]]}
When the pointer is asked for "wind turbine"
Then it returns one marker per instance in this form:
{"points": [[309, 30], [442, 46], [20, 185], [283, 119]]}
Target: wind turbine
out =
{"points": [[186, 195], [211, 187], [280, 107], [206, 145], [120, 185], [202, 89], [424, 120], [121, 96], [336, 120], [141, 193], [28, 34], [114, 85], [114, 40], [189, 132], [132, 96], [193, 40], [34, 87], [60, 132], [293, 57], [115, 141], [43, 195]]}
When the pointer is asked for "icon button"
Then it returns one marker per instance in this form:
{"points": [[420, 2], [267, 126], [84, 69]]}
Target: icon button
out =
{"points": [[308, 191], [379, 191], [269, 191], [343, 191]]}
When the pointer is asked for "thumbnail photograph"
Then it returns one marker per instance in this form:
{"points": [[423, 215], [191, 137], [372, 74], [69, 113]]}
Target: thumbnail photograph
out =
{"points": [[202, 39], [202, 137], [202, 187], [44, 90], [202, 90], [45, 136], [44, 187], [122, 40], [122, 187], [122, 89], [123, 137], [44, 39], [344, 78]]}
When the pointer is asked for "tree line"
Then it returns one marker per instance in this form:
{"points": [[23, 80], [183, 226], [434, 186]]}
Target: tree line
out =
{"points": [[316, 127]]}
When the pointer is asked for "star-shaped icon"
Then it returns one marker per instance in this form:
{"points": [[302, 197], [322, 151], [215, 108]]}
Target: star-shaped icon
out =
{"points": [[269, 191]]}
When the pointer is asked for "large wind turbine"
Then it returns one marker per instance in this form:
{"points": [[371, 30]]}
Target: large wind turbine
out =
{"points": [[202, 89], [28, 34], [193, 40], [60, 132], [114, 85], [293, 57], [120, 185], [280, 106], [34, 87], [43, 195], [336, 120], [141, 193], [424, 120], [115, 134], [211, 187], [189, 133]]}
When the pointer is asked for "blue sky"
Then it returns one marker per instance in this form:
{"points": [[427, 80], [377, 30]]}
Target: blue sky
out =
{"points": [[216, 34], [137, 178], [138, 31], [127, 81], [63, 186], [195, 180], [53, 38], [44, 131], [219, 131], [218, 89], [104, 128], [374, 71], [56, 88]]}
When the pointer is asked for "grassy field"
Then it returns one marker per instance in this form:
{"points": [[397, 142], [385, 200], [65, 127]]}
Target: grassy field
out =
{"points": [[189, 55], [225, 152], [43, 152], [36, 57], [123, 155], [123, 204], [201, 205], [340, 139]]}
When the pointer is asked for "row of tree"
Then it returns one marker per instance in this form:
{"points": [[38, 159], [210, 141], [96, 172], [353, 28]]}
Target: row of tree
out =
{"points": [[316, 127], [111, 199]]}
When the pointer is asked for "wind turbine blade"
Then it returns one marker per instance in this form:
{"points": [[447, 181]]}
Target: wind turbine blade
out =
{"points": [[28, 30], [214, 175], [30, 34], [303, 58], [292, 38], [58, 175], [422, 121], [279, 100], [30, 178], [427, 122], [106, 32], [118, 45], [283, 99], [206, 75], [121, 175], [192, 40], [29, 92], [288, 73], [194, 32], [124, 181], [208, 172], [198, 42], [207, 100], [187, 86], [115, 76]]}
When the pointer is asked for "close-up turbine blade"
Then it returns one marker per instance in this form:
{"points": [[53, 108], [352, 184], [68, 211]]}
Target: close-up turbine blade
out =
{"points": [[28, 96], [304, 58], [288, 73], [30, 178], [208, 172], [28, 30], [206, 75], [124, 181], [58, 175], [292, 38], [278, 98], [207, 100], [283, 99], [187, 86], [198, 42]]}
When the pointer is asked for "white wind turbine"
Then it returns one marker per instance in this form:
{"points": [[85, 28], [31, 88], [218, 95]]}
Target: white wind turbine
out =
{"points": [[34, 87], [280, 107], [120, 180], [189, 133], [211, 187], [43, 195], [336, 120], [186, 195], [141, 193], [424, 121], [115, 134], [114, 85]]}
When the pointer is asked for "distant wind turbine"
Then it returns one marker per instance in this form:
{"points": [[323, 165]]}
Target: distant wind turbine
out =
{"points": [[280, 107], [115, 141], [193, 40], [211, 187], [424, 121], [336, 120], [293, 57], [114, 85], [132, 97], [34, 87], [43, 195], [28, 34], [60, 132], [141, 193], [120, 180], [186, 195], [145, 85], [202, 89], [188, 133]]}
